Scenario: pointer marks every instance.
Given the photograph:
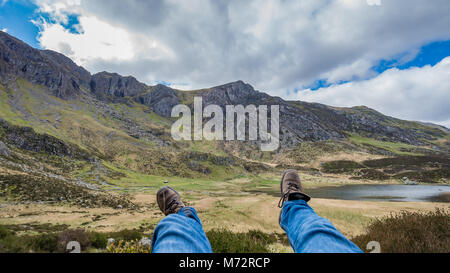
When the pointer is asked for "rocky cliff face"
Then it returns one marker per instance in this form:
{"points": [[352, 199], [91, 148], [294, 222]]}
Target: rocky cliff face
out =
{"points": [[58, 73], [27, 139], [55, 71], [301, 121], [112, 84], [161, 100]]}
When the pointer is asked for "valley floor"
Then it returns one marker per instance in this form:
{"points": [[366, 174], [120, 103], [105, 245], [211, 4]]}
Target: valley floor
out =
{"points": [[252, 208]]}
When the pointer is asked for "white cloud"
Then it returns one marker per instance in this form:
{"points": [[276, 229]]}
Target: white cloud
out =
{"points": [[275, 45], [415, 94], [5, 30], [374, 2], [98, 41]]}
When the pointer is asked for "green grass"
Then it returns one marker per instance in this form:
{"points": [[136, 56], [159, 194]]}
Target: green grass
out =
{"points": [[136, 179], [205, 146], [308, 151], [350, 218], [253, 241], [5, 110], [393, 147]]}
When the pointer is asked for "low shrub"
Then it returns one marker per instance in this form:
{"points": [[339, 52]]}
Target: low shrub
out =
{"points": [[4, 232], [427, 176], [46, 242], [410, 232], [57, 241], [225, 241], [403, 161], [370, 174], [98, 240], [127, 247], [341, 166], [78, 235], [126, 235]]}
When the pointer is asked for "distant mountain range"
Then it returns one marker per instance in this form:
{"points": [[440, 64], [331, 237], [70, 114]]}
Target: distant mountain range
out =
{"points": [[300, 121], [107, 117]]}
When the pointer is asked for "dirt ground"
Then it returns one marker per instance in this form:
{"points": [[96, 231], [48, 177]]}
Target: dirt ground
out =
{"points": [[236, 213]]}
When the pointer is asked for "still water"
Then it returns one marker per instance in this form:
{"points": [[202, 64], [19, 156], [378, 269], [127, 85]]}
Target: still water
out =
{"points": [[402, 193]]}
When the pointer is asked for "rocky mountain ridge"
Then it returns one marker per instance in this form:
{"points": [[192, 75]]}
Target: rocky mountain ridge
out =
{"points": [[299, 121]]}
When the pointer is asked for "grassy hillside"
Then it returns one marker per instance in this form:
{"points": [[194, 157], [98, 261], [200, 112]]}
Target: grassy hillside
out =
{"points": [[88, 170], [127, 139]]}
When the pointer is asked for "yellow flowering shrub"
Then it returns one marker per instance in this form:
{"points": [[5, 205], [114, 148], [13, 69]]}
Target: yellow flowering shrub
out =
{"points": [[127, 247]]}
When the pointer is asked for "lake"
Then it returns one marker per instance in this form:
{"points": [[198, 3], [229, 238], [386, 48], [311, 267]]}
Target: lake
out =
{"points": [[396, 193]]}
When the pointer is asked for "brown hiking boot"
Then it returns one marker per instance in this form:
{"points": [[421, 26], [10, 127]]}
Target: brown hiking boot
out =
{"points": [[169, 201], [291, 186]]}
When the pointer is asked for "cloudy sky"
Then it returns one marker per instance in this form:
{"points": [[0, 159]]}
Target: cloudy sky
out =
{"points": [[390, 55]]}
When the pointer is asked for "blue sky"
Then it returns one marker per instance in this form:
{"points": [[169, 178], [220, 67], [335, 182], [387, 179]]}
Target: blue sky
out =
{"points": [[429, 54], [17, 15], [333, 52]]}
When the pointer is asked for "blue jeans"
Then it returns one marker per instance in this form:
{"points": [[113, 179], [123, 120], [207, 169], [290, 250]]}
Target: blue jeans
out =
{"points": [[180, 233], [307, 232]]}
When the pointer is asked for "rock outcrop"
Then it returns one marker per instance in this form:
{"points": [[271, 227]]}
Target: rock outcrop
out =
{"points": [[161, 100], [4, 150], [53, 70], [112, 84], [406, 181], [302, 121], [27, 139]]}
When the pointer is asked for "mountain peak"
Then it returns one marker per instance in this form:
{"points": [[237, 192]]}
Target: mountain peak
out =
{"points": [[113, 84], [43, 67], [235, 84]]}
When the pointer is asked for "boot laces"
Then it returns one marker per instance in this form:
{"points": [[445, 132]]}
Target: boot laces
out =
{"points": [[291, 187], [173, 205]]}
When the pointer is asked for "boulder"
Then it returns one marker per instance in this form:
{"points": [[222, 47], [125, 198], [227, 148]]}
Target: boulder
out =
{"points": [[4, 150], [110, 241], [406, 181], [145, 242]]}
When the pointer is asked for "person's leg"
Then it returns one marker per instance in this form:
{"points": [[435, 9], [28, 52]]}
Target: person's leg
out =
{"points": [[308, 232], [181, 230], [180, 233]]}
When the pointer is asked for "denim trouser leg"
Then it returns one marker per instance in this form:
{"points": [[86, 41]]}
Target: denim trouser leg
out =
{"points": [[307, 232], [180, 233]]}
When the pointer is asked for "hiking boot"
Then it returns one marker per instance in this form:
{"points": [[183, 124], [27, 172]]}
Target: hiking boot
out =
{"points": [[291, 188], [169, 201]]}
